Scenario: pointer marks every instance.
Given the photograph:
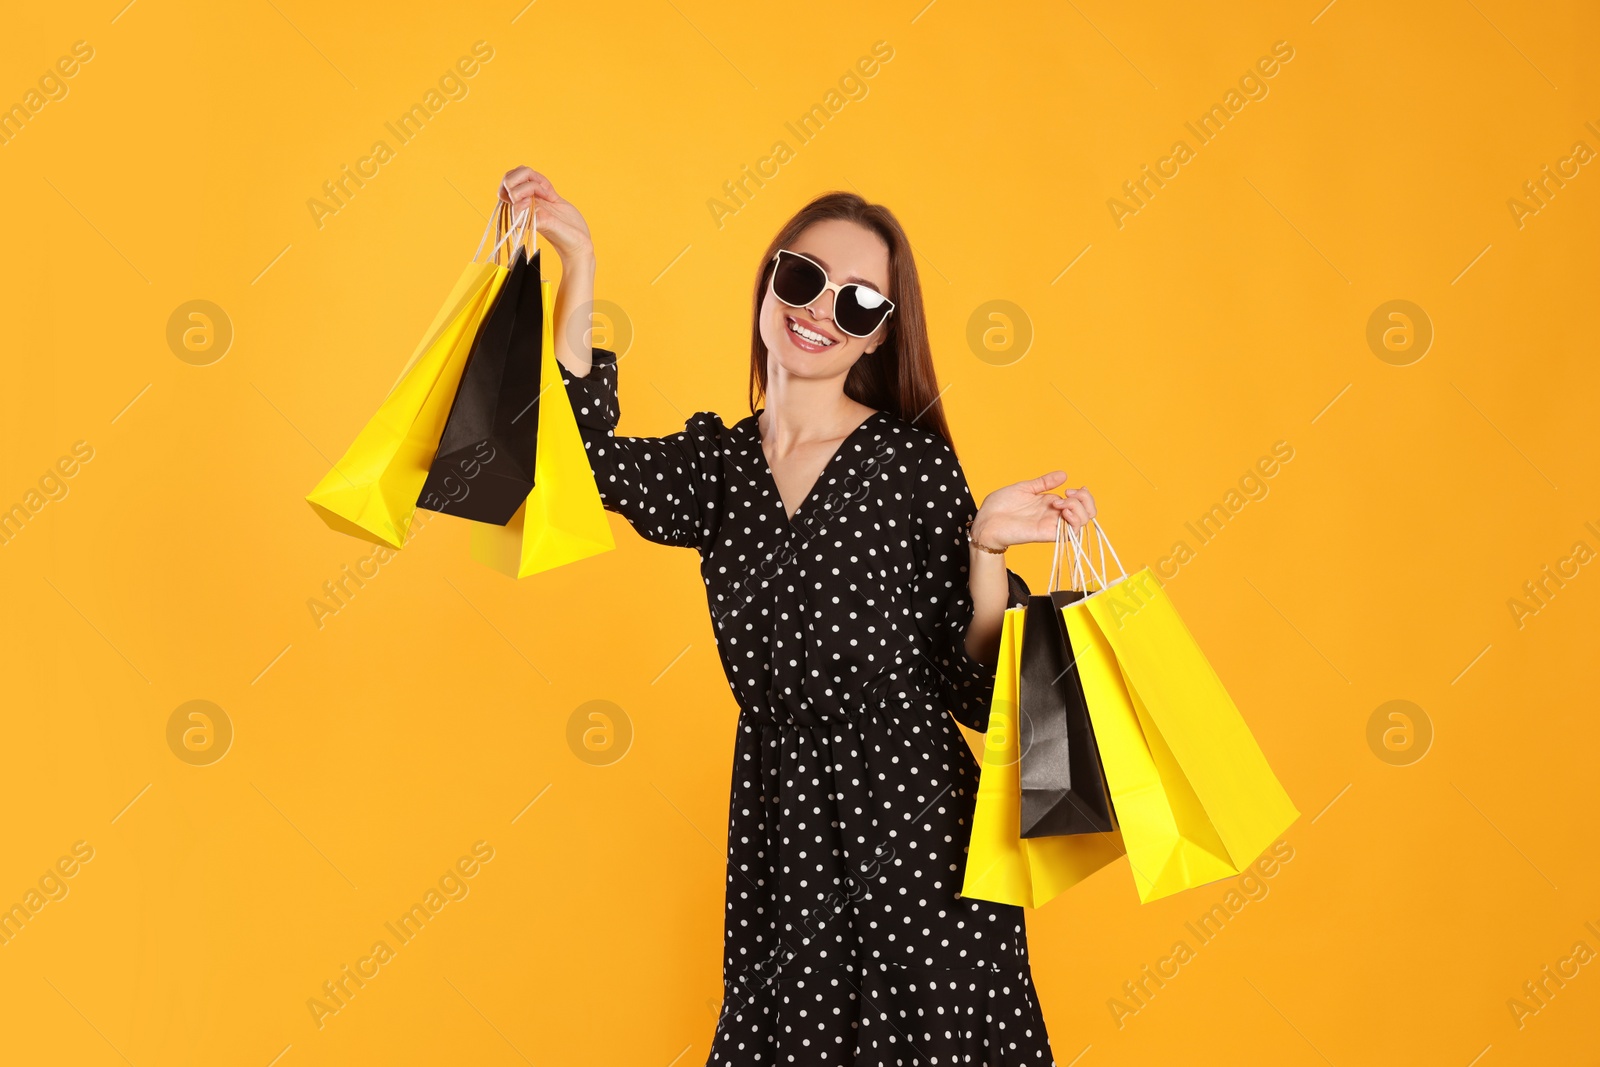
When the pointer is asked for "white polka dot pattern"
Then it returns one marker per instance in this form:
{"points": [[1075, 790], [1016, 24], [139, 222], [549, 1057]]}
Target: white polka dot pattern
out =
{"points": [[842, 634]]}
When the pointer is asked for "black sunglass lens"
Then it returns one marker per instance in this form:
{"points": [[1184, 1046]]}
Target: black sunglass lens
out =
{"points": [[796, 281], [853, 313]]}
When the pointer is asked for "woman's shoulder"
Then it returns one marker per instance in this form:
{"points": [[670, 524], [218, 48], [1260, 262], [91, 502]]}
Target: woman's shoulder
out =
{"points": [[713, 435], [920, 444]]}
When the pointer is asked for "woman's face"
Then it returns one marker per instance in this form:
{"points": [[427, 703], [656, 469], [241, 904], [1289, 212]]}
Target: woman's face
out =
{"points": [[849, 253]]}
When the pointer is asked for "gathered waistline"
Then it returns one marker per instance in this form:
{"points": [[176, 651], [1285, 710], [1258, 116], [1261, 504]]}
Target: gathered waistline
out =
{"points": [[900, 683]]}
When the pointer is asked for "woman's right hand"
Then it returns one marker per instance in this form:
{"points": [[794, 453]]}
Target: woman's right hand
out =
{"points": [[563, 226], [560, 223]]}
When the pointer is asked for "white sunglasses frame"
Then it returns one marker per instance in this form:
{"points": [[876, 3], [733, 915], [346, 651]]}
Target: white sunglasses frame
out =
{"points": [[828, 286]]}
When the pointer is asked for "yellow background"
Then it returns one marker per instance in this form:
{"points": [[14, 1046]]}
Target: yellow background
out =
{"points": [[433, 708]]}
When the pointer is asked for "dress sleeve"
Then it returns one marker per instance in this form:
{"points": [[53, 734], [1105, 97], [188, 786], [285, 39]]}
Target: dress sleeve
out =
{"points": [[942, 599], [664, 486]]}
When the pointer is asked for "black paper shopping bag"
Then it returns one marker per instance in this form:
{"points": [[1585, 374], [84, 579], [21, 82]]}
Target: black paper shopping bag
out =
{"points": [[484, 466], [1063, 783]]}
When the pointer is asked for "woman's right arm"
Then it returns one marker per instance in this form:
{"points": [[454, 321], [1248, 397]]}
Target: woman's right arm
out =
{"points": [[666, 487]]}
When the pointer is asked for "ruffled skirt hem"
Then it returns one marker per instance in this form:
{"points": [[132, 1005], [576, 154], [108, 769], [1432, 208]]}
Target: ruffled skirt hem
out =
{"points": [[886, 1017]]}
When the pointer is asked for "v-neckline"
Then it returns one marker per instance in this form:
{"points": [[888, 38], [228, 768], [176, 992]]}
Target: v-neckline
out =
{"points": [[772, 480]]}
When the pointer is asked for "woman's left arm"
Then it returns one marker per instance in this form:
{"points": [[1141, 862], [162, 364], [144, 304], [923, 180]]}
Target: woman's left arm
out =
{"points": [[1013, 515], [947, 574]]}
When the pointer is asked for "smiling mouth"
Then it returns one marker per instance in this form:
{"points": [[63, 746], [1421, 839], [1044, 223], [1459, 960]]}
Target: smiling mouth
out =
{"points": [[808, 335]]}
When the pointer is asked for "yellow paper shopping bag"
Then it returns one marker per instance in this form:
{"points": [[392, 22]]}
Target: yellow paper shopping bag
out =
{"points": [[372, 491], [1141, 794], [1198, 801], [1193, 797], [562, 520], [1002, 866]]}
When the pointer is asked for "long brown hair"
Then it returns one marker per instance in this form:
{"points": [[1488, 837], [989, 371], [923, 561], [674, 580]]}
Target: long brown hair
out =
{"points": [[898, 377]]}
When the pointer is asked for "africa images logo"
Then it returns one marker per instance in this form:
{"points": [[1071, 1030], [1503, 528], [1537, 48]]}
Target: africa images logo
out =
{"points": [[1209, 126]]}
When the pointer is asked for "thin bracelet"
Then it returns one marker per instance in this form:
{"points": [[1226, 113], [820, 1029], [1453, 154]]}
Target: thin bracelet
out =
{"points": [[980, 544]]}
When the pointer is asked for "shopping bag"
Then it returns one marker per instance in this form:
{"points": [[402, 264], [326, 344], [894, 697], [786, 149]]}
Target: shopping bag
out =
{"points": [[1002, 866], [372, 491], [1194, 796], [486, 458], [1063, 784], [562, 519]]}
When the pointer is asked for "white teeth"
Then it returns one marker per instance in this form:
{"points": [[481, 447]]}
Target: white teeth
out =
{"points": [[810, 335]]}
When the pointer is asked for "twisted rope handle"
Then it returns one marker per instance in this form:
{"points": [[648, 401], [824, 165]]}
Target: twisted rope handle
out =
{"points": [[523, 230]]}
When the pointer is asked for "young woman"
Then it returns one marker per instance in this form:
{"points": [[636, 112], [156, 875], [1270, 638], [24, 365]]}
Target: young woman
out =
{"points": [[857, 598]]}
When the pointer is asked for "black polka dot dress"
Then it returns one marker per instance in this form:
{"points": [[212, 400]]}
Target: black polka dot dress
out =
{"points": [[842, 633]]}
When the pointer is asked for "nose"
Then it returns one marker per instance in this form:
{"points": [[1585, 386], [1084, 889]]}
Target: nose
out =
{"points": [[817, 304]]}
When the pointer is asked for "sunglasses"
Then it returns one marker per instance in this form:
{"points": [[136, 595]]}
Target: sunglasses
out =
{"points": [[799, 281]]}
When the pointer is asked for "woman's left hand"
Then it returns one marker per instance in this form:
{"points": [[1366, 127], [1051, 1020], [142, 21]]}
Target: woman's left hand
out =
{"points": [[1030, 511]]}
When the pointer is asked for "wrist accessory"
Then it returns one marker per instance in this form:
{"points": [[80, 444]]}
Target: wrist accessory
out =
{"points": [[980, 544]]}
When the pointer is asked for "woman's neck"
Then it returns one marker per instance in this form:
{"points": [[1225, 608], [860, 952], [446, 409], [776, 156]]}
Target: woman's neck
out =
{"points": [[800, 411]]}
